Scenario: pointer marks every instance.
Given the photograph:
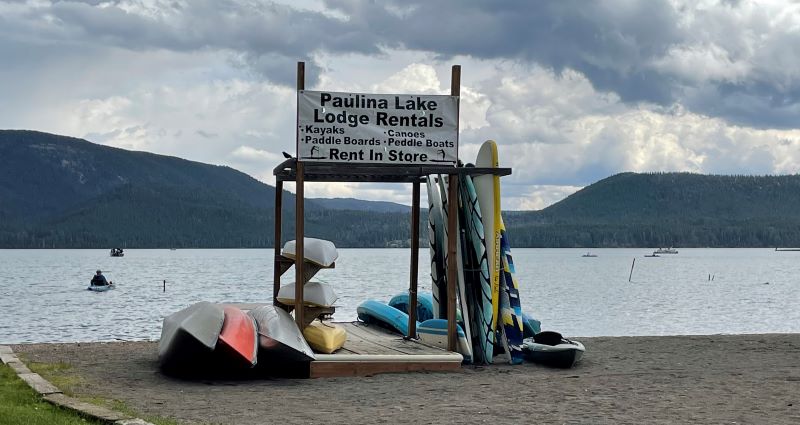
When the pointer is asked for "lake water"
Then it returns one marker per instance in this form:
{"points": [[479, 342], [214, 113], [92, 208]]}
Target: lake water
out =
{"points": [[43, 296]]}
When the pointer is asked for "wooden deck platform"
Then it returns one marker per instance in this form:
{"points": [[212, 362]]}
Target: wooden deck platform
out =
{"points": [[370, 350]]}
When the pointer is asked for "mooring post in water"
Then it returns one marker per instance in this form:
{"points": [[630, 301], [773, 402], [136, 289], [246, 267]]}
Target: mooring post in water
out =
{"points": [[631, 275], [165, 285]]}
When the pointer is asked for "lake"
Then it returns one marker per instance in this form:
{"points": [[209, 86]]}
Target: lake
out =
{"points": [[43, 296]]}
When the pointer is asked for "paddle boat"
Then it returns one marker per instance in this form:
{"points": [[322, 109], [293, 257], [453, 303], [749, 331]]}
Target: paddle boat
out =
{"points": [[551, 349]]}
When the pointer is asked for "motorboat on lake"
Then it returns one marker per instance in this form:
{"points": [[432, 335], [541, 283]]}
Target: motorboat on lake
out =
{"points": [[589, 254], [117, 252], [669, 250]]}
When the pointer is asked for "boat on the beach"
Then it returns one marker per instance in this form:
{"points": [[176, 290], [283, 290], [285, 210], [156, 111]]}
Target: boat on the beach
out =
{"points": [[238, 338], [278, 336], [434, 332], [377, 313], [325, 337], [424, 304], [669, 250], [189, 336], [117, 252], [317, 251], [551, 349], [315, 294]]}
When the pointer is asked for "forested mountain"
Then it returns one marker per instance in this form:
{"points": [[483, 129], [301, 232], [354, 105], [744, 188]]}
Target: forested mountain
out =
{"points": [[63, 192], [663, 209], [58, 191]]}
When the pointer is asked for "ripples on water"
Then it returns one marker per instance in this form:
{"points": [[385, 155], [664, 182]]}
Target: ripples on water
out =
{"points": [[43, 296]]}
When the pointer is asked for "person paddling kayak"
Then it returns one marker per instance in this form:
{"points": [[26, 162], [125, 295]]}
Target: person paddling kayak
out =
{"points": [[99, 280]]}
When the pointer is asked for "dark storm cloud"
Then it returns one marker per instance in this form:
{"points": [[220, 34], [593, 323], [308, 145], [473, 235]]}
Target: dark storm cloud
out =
{"points": [[637, 50]]}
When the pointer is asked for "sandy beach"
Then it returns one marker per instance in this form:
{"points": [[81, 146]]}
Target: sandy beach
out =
{"points": [[743, 379]]}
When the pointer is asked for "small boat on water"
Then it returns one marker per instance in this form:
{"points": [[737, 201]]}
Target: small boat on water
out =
{"points": [[101, 288], [551, 349], [189, 336], [652, 255], [238, 337], [315, 294], [325, 337], [278, 336], [669, 250], [117, 252], [589, 254]]}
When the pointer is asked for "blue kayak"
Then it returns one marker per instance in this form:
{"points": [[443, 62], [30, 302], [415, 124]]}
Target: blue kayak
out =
{"points": [[377, 313], [424, 304]]}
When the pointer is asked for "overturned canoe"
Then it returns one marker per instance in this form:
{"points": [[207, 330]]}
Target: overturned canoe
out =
{"points": [[238, 338], [278, 335], [189, 336], [315, 294], [318, 251]]}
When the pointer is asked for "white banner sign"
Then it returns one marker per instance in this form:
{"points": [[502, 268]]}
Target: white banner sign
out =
{"points": [[377, 128]]}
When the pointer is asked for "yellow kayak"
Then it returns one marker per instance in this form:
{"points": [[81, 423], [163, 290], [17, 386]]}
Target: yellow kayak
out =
{"points": [[325, 337]]}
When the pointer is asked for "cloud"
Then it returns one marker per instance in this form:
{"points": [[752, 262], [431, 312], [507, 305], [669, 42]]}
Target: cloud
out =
{"points": [[573, 91]]}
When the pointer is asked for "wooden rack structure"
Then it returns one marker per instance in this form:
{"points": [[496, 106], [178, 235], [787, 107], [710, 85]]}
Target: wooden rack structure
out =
{"points": [[303, 171]]}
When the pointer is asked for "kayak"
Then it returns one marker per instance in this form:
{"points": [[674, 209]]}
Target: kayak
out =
{"points": [[551, 349], [101, 288]]}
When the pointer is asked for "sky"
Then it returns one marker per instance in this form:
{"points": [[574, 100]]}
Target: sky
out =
{"points": [[572, 91]]}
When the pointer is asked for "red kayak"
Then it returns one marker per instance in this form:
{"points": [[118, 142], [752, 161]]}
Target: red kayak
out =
{"points": [[238, 336]]}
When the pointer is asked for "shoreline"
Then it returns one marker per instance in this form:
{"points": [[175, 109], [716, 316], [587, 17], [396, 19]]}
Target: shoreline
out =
{"points": [[645, 379]]}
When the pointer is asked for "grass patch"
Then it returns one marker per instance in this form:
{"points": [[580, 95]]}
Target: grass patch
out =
{"points": [[20, 405], [62, 376]]}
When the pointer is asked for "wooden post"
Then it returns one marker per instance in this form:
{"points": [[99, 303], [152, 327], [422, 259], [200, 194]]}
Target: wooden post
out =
{"points": [[452, 261], [276, 273], [299, 220], [452, 232], [412, 290], [633, 263]]}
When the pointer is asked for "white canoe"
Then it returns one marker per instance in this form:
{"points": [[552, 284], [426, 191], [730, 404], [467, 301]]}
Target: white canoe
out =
{"points": [[278, 335], [316, 294], [317, 251]]}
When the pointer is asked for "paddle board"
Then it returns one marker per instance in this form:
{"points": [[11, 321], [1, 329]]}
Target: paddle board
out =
{"points": [[462, 299], [510, 307], [435, 237], [478, 288], [487, 188]]}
